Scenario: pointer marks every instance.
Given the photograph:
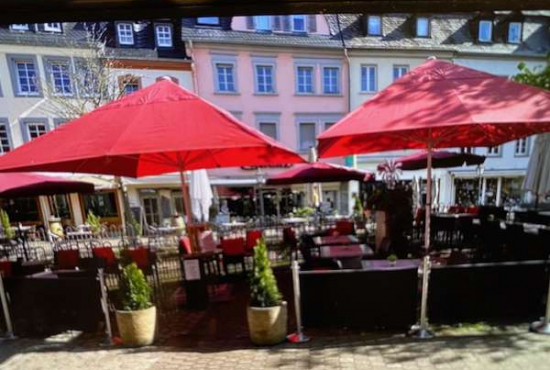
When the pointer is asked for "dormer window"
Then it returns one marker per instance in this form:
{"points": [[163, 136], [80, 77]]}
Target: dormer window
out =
{"points": [[422, 27], [374, 25], [19, 27], [262, 23], [208, 21], [514, 32], [52, 27], [164, 35], [299, 23], [485, 33], [125, 33]]}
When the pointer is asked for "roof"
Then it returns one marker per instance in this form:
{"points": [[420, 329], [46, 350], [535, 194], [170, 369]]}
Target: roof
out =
{"points": [[72, 36]]}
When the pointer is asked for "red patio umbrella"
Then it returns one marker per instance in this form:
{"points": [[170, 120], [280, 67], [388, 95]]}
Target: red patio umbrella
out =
{"points": [[13, 185], [440, 159], [318, 172], [439, 105], [159, 129]]}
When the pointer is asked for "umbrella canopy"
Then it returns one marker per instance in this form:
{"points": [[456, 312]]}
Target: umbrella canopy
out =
{"points": [[201, 194], [440, 159], [318, 172], [13, 185], [537, 179], [445, 105], [161, 128]]}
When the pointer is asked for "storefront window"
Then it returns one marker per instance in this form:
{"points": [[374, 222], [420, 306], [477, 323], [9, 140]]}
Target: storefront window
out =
{"points": [[491, 191], [103, 205], [60, 206], [466, 191], [21, 209], [512, 194]]}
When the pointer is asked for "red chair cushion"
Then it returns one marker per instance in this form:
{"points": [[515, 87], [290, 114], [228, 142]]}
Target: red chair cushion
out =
{"points": [[233, 246], [67, 259], [5, 268], [289, 236], [185, 245], [333, 232], [105, 253], [345, 227], [473, 210], [140, 256], [252, 237]]}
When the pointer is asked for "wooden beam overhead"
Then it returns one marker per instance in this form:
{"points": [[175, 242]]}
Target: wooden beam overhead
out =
{"points": [[36, 11]]}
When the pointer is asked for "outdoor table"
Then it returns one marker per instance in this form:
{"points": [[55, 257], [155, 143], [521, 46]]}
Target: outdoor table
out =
{"points": [[387, 265], [345, 251], [335, 240]]}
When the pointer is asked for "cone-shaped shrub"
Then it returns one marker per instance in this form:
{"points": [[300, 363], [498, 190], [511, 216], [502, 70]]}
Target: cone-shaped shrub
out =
{"points": [[263, 286], [5, 223], [134, 289]]}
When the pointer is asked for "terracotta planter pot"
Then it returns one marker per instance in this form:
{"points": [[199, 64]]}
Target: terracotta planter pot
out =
{"points": [[268, 325], [137, 328]]}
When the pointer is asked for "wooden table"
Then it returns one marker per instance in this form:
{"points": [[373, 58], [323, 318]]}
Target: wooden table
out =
{"points": [[345, 251], [335, 240]]}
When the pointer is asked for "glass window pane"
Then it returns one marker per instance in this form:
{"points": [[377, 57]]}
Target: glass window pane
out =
{"points": [[4, 139], [330, 80], [305, 80], [21, 209], [208, 20], [374, 25], [422, 27], [225, 77], [164, 36], [262, 23], [485, 31], [307, 136], [101, 204], [514, 32], [299, 23], [269, 128]]}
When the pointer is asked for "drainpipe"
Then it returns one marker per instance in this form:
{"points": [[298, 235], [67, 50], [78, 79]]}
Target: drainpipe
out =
{"points": [[193, 67]]}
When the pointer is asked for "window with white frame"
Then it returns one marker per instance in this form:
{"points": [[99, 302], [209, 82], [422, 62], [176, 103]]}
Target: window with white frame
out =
{"points": [[131, 87], [262, 23], [306, 135], [422, 27], [60, 77], [522, 147], [208, 21], [494, 151], [26, 77], [485, 33], [19, 27], [4, 138], [399, 71], [269, 129], [304, 80], [125, 33], [164, 35], [264, 79], [331, 80], [225, 77], [299, 23], [35, 129], [368, 78], [374, 25], [514, 32], [52, 27]]}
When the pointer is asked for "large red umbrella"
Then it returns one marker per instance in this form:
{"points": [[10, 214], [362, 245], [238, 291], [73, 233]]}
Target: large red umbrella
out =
{"points": [[13, 185], [318, 172], [440, 159], [439, 105]]}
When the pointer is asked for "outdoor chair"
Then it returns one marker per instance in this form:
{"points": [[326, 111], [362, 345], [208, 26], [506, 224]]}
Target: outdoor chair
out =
{"points": [[106, 257], [6, 268], [290, 242], [184, 246], [233, 253], [345, 227], [67, 259]]}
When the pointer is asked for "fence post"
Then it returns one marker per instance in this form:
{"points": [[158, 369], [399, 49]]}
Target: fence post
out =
{"points": [[299, 336], [105, 306], [5, 307]]}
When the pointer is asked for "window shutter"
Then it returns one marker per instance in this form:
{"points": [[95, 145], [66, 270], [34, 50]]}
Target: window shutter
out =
{"points": [[250, 23], [312, 23], [276, 22], [286, 23]]}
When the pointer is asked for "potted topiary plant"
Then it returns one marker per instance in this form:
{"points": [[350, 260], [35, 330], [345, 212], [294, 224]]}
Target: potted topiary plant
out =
{"points": [[392, 259], [138, 317], [94, 222], [6, 225], [267, 312]]}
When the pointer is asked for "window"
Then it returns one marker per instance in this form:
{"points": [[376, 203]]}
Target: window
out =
{"points": [[262, 23], [19, 27], [514, 32], [52, 27], [102, 204], [225, 76], [422, 27], [35, 129], [399, 71], [485, 31], [269, 128], [208, 21], [152, 210], [4, 138], [264, 79], [131, 87], [59, 77], [87, 80], [299, 23], [129, 84], [125, 34], [493, 151], [164, 36], [374, 25], [331, 80], [304, 80], [329, 125], [21, 209], [60, 206], [307, 136], [27, 78], [368, 79], [522, 147]]}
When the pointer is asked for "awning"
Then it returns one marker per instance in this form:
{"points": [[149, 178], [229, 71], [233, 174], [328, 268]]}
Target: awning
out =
{"points": [[13, 185]]}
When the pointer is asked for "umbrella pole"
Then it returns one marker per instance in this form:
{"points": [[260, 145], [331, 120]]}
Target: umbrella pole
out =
{"points": [[191, 232], [543, 326], [422, 331]]}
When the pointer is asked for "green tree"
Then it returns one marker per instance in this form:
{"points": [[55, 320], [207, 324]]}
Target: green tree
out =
{"points": [[134, 290], [6, 225], [263, 285]]}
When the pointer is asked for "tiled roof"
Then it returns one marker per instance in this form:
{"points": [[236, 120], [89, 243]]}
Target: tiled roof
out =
{"points": [[72, 36]]}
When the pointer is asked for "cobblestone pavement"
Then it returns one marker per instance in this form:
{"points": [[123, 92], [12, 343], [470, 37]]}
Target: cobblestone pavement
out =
{"points": [[509, 349]]}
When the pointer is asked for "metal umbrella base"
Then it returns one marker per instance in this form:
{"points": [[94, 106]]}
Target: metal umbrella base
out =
{"points": [[420, 333], [297, 338], [540, 327]]}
